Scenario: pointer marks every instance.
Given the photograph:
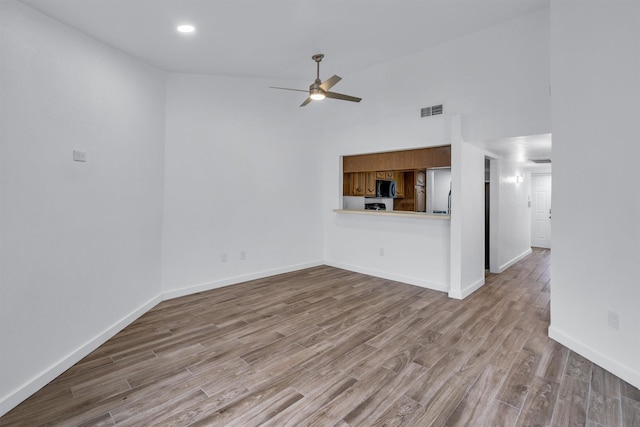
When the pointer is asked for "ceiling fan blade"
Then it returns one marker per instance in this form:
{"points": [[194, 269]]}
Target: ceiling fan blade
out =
{"points": [[306, 101], [342, 97], [330, 82], [288, 88]]}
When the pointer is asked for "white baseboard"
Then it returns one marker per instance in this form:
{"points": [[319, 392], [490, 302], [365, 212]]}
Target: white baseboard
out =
{"points": [[626, 373], [466, 291], [14, 399], [235, 280], [390, 276], [508, 264]]}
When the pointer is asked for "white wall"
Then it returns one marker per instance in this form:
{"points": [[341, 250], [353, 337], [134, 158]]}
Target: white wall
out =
{"points": [[497, 79], [467, 218], [242, 173], [80, 250], [510, 214], [596, 255]]}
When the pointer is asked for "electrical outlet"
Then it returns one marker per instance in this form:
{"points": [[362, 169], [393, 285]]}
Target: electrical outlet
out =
{"points": [[223, 257], [381, 251], [614, 320], [243, 255], [79, 156]]}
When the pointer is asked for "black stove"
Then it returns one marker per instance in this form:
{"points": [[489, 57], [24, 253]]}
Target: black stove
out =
{"points": [[375, 206]]}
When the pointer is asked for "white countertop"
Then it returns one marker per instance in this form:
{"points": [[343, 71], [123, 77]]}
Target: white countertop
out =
{"points": [[394, 213]]}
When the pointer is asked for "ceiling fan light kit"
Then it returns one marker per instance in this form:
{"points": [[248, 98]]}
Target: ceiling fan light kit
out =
{"points": [[316, 94], [319, 90]]}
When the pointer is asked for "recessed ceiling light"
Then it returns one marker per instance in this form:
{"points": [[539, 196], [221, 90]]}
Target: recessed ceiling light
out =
{"points": [[186, 28]]}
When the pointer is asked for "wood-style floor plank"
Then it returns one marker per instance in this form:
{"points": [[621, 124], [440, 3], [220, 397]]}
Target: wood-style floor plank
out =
{"points": [[474, 404], [376, 404], [604, 398], [538, 408], [328, 347], [630, 412], [399, 413], [319, 391], [571, 405]]}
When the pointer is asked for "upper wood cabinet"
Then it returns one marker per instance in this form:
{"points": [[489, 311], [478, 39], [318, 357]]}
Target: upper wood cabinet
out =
{"points": [[398, 177], [346, 184], [364, 183], [420, 158], [370, 184], [385, 175], [358, 183]]}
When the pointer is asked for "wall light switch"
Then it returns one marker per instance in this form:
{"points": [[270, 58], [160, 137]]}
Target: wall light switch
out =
{"points": [[79, 156]]}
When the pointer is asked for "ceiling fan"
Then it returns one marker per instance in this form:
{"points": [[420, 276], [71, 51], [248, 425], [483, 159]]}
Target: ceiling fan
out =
{"points": [[320, 90]]}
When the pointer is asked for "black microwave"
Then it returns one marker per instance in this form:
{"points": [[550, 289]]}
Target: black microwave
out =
{"points": [[385, 188]]}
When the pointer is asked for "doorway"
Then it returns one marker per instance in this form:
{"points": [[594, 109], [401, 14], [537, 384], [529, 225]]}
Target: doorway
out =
{"points": [[541, 210], [487, 211]]}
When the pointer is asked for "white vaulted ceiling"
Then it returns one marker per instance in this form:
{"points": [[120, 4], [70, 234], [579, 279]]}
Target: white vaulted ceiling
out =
{"points": [[276, 38]]}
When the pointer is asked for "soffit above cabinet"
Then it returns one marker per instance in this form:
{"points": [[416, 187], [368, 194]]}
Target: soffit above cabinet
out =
{"points": [[419, 158]]}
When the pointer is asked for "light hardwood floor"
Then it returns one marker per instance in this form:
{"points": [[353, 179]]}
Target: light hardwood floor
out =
{"points": [[329, 347]]}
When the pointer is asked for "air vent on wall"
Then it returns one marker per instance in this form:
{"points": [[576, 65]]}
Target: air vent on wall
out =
{"points": [[431, 111], [540, 160]]}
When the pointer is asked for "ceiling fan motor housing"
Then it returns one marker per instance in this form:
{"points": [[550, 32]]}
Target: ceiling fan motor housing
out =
{"points": [[316, 92]]}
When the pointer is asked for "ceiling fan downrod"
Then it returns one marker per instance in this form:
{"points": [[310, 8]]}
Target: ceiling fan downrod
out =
{"points": [[318, 57]]}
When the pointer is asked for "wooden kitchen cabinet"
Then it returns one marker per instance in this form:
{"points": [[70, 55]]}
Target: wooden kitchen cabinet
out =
{"points": [[405, 160], [358, 183], [405, 192], [346, 184], [385, 175], [370, 184], [388, 175], [361, 183], [398, 177]]}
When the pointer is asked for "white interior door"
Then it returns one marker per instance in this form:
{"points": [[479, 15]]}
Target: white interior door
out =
{"points": [[541, 211]]}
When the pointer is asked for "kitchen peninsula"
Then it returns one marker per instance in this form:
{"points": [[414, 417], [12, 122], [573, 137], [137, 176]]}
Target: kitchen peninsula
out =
{"points": [[397, 182]]}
